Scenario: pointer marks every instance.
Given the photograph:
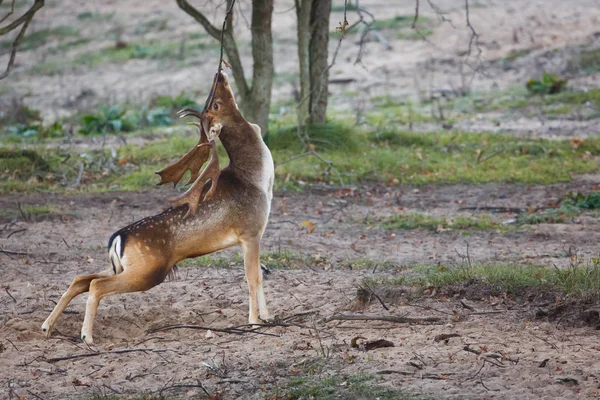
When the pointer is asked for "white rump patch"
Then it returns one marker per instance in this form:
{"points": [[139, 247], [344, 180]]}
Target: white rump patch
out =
{"points": [[114, 255]]}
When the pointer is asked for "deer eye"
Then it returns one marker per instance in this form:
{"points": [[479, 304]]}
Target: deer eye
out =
{"points": [[216, 106]]}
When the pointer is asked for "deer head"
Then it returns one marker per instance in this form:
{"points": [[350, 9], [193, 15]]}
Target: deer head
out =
{"points": [[220, 109]]}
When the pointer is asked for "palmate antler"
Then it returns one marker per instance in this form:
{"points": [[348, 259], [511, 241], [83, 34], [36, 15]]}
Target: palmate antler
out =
{"points": [[193, 161]]}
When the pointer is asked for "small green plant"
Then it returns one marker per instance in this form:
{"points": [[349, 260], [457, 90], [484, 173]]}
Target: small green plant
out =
{"points": [[159, 117], [108, 120], [588, 201], [571, 206], [549, 84]]}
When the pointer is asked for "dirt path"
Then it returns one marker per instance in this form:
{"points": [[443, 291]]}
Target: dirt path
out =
{"points": [[60, 247]]}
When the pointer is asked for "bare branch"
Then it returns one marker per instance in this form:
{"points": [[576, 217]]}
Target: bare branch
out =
{"points": [[24, 20], [198, 16], [227, 40], [474, 35], [12, 9]]}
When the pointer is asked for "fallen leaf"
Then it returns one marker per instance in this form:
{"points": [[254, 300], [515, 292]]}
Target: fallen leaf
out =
{"points": [[309, 225]]}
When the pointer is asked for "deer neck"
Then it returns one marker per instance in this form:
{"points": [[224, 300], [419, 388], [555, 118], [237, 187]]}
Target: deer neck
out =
{"points": [[248, 155]]}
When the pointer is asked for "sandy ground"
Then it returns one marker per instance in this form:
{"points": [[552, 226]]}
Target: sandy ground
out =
{"points": [[64, 246]]}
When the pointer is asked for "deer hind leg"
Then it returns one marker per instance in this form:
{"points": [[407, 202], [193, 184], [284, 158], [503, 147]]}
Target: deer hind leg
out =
{"points": [[257, 302], [126, 282], [80, 284]]}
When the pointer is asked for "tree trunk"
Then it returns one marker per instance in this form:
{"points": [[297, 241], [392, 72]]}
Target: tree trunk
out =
{"points": [[258, 105], [303, 13], [319, 74]]}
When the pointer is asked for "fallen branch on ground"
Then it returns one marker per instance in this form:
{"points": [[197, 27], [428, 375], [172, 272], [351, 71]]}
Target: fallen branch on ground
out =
{"points": [[233, 330], [445, 336], [388, 318]]}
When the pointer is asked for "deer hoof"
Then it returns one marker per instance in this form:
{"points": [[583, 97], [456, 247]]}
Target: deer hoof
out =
{"points": [[46, 328], [87, 339], [264, 315]]}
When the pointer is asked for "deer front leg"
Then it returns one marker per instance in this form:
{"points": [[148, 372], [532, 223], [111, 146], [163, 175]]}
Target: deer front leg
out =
{"points": [[80, 284], [257, 303], [125, 282]]}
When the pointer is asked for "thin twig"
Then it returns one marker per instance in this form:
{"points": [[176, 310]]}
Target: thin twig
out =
{"points": [[376, 296], [14, 253], [11, 296], [85, 355], [15, 232]]}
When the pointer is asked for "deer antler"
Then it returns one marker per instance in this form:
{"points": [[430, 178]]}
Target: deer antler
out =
{"points": [[210, 173], [192, 160]]}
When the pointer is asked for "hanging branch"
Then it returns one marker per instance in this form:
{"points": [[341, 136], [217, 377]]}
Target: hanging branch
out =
{"points": [[22, 21], [227, 15], [226, 40], [211, 94]]}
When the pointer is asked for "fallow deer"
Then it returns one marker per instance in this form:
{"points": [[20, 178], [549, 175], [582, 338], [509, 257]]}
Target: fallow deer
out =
{"points": [[144, 253]]}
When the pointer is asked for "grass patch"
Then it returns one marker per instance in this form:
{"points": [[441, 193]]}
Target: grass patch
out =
{"points": [[329, 136], [515, 54], [340, 8], [28, 212], [33, 40], [580, 282], [401, 24], [418, 220], [339, 387], [448, 157], [390, 157], [579, 103], [146, 49], [283, 259], [589, 60], [94, 16]]}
